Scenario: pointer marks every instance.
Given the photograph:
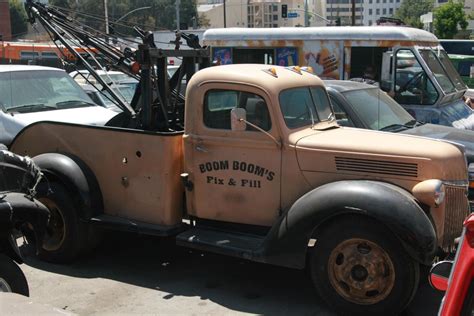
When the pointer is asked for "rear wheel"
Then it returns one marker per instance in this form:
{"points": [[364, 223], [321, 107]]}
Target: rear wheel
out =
{"points": [[360, 268], [66, 235], [12, 279]]}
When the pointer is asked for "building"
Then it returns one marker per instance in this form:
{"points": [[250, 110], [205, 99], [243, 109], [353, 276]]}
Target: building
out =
{"points": [[341, 10], [262, 13], [5, 27], [375, 9]]}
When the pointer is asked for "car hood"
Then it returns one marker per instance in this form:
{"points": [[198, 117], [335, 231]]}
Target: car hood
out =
{"points": [[463, 137], [91, 115], [379, 154]]}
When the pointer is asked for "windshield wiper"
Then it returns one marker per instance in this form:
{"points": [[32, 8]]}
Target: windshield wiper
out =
{"points": [[74, 103], [394, 126], [29, 106]]}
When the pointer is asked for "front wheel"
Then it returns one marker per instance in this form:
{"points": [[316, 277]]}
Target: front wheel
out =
{"points": [[12, 278], [360, 268]]}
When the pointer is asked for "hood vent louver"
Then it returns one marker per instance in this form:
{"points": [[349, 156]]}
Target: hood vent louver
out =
{"points": [[402, 169]]}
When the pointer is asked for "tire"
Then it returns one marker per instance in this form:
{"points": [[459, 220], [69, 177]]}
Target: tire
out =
{"points": [[12, 279], [360, 268], [66, 235]]}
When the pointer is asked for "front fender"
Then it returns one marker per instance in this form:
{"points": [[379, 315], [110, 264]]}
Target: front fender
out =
{"points": [[287, 242], [76, 176]]}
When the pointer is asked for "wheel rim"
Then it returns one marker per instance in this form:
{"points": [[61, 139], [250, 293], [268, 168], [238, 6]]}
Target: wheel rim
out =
{"points": [[56, 229], [4, 286], [361, 271]]}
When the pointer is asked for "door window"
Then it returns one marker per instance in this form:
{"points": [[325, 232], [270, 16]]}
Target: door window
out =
{"points": [[412, 85], [219, 103]]}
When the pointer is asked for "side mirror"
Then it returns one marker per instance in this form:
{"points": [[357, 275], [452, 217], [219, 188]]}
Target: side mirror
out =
{"points": [[238, 116], [439, 275]]}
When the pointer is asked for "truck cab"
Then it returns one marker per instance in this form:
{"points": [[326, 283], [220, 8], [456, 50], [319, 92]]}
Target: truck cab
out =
{"points": [[261, 171]]}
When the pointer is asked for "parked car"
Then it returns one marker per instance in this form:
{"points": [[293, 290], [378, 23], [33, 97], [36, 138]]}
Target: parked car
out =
{"points": [[29, 94], [366, 106], [457, 277], [84, 77], [104, 99]]}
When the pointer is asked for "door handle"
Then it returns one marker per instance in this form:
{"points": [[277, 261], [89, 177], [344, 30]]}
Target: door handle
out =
{"points": [[201, 149]]}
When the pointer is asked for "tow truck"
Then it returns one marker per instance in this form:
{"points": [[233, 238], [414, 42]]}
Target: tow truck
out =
{"points": [[252, 165]]}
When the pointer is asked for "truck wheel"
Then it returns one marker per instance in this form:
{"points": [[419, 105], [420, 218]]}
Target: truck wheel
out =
{"points": [[65, 234], [12, 278], [360, 268]]}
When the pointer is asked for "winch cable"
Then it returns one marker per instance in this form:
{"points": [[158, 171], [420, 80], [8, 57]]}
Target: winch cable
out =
{"points": [[53, 21]]}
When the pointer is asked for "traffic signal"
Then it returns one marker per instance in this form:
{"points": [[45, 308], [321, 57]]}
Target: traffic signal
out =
{"points": [[284, 11], [338, 21]]}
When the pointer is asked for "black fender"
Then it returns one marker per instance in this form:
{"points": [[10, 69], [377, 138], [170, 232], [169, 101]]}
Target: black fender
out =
{"points": [[77, 177], [287, 241]]}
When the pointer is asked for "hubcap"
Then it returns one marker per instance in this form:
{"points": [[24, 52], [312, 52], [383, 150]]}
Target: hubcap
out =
{"points": [[56, 229], [361, 271], [4, 286]]}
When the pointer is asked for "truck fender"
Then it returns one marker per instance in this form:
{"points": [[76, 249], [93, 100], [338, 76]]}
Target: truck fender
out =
{"points": [[287, 241], [76, 176]]}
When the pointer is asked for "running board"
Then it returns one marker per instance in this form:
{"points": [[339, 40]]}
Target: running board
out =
{"points": [[124, 224], [221, 242]]}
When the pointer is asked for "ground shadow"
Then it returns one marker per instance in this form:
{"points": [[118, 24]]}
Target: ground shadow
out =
{"points": [[237, 284]]}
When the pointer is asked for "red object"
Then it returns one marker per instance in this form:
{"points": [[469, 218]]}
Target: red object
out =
{"points": [[171, 62], [136, 68], [462, 273]]}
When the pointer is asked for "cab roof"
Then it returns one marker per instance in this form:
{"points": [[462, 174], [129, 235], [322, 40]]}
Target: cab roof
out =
{"points": [[256, 75], [363, 33]]}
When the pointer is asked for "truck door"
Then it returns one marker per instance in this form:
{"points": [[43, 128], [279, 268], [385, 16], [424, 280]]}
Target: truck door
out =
{"points": [[235, 174]]}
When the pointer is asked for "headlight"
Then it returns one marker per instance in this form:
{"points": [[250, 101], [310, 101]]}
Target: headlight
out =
{"points": [[430, 192], [439, 193]]}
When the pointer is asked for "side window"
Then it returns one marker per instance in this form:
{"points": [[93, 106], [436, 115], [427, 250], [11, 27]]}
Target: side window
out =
{"points": [[341, 115], [219, 103]]}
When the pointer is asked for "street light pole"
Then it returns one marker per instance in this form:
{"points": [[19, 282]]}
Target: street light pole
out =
{"points": [[225, 22], [130, 12]]}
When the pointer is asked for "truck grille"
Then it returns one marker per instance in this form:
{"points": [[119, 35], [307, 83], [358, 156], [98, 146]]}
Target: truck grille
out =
{"points": [[377, 166], [456, 211]]}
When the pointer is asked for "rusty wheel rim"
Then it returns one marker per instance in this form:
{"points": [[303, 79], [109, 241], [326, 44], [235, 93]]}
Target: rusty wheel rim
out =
{"points": [[56, 229], [361, 271]]}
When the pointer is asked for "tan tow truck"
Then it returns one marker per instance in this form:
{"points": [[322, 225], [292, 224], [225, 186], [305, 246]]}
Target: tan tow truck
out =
{"points": [[261, 171]]}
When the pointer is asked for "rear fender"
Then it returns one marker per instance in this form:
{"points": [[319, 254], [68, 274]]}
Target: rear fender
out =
{"points": [[287, 242], [77, 177]]}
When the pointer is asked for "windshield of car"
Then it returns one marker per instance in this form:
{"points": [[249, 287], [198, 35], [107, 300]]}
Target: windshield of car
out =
{"points": [[114, 77], [442, 69], [377, 110], [40, 90], [305, 106]]}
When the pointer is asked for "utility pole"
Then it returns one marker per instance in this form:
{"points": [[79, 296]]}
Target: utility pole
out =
{"points": [[225, 22], [178, 2], [106, 13], [353, 12]]}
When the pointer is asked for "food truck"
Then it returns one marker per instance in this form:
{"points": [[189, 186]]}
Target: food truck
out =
{"points": [[408, 63]]}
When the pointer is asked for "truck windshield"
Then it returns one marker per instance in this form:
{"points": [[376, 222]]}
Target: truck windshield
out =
{"points": [[444, 72], [40, 90], [305, 106], [377, 110]]}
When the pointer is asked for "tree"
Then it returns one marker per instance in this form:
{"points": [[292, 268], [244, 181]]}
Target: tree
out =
{"points": [[411, 10], [448, 17], [18, 22]]}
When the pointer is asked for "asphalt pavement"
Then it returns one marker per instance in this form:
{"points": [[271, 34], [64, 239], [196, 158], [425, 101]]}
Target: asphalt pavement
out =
{"points": [[132, 274]]}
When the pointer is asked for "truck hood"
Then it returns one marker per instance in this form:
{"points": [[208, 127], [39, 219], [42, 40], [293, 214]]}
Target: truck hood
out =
{"points": [[463, 137], [371, 154], [91, 115]]}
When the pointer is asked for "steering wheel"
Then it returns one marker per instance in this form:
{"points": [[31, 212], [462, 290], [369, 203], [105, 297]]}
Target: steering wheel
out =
{"points": [[413, 80]]}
